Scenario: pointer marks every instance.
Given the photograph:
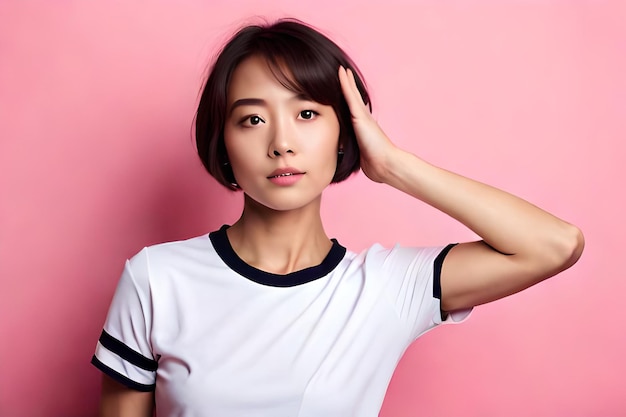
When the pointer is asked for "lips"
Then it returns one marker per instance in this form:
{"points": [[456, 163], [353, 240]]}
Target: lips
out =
{"points": [[284, 172]]}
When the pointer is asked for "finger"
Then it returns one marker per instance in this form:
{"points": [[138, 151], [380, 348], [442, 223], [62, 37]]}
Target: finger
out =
{"points": [[355, 88], [351, 92]]}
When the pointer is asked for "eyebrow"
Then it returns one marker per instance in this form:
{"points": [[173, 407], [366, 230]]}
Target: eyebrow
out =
{"points": [[247, 102], [261, 102]]}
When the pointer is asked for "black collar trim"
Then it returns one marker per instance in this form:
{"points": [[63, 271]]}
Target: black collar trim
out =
{"points": [[222, 246]]}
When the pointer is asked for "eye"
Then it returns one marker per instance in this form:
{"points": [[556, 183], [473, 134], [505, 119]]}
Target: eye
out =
{"points": [[308, 114], [253, 120]]}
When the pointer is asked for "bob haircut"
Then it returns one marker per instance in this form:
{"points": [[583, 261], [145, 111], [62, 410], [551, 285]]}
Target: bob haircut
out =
{"points": [[304, 61]]}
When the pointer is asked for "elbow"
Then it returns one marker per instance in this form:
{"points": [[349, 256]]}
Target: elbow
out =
{"points": [[570, 247], [560, 250]]}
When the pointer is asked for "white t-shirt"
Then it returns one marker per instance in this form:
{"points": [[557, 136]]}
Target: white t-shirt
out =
{"points": [[215, 336]]}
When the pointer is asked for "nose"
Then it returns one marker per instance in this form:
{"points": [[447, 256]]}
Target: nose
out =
{"points": [[282, 141], [276, 152]]}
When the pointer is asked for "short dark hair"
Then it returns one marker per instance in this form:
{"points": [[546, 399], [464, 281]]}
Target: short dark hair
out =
{"points": [[304, 61]]}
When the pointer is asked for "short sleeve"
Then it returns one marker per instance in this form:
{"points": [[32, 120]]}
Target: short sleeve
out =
{"points": [[124, 351], [412, 283]]}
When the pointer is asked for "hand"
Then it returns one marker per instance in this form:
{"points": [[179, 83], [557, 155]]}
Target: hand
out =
{"points": [[375, 147]]}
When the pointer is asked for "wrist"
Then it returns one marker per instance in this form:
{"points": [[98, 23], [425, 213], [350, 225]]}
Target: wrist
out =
{"points": [[398, 167]]}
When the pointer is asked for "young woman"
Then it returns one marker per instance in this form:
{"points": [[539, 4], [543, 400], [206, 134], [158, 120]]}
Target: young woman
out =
{"points": [[270, 317]]}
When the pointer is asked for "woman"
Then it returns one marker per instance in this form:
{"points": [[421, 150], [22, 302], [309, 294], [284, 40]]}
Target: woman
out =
{"points": [[270, 317]]}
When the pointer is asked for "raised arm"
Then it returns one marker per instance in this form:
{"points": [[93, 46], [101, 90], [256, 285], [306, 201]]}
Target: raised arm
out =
{"points": [[522, 244]]}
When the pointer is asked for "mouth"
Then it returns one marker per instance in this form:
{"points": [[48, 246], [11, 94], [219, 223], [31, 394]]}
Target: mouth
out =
{"points": [[284, 172]]}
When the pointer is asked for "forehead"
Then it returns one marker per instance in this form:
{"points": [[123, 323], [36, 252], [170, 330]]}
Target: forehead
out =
{"points": [[254, 76]]}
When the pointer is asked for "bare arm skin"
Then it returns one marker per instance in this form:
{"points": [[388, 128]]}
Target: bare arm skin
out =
{"points": [[522, 244], [118, 400]]}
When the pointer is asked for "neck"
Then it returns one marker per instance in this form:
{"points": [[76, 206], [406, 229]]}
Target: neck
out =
{"points": [[280, 241]]}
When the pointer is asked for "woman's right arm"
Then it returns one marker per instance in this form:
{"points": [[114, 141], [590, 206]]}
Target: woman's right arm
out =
{"points": [[118, 400]]}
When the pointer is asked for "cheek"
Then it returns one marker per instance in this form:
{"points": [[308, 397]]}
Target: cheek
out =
{"points": [[326, 147], [238, 146], [335, 130], [332, 135], [245, 150], [326, 134], [236, 158]]}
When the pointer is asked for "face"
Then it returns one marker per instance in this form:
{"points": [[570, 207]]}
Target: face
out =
{"points": [[282, 146]]}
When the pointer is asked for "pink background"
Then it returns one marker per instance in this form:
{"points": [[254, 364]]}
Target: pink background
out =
{"points": [[96, 161]]}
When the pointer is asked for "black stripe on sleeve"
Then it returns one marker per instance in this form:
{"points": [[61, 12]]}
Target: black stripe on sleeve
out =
{"points": [[437, 270], [127, 353], [124, 380]]}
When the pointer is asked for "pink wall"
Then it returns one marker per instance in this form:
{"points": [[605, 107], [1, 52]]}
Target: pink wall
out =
{"points": [[96, 161]]}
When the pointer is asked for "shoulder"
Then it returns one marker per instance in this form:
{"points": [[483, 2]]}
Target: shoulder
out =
{"points": [[396, 265], [164, 258], [378, 255], [179, 251]]}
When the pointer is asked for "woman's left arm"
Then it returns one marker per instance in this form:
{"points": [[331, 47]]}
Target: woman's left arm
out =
{"points": [[522, 244]]}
